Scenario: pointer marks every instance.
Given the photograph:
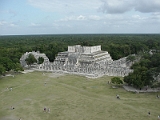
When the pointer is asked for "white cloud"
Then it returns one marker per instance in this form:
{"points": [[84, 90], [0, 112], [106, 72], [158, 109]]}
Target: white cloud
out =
{"points": [[34, 25], [146, 6], [136, 16], [105, 6], [7, 24], [81, 18], [12, 25], [94, 17], [156, 16], [2, 23], [122, 6], [110, 20], [65, 6], [74, 18], [116, 6]]}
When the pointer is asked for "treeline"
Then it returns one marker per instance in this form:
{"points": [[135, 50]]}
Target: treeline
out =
{"points": [[118, 45]]}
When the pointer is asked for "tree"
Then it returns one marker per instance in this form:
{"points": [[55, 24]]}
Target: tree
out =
{"points": [[2, 69], [18, 67], [116, 80], [40, 60], [141, 76], [131, 58], [6, 63], [31, 59]]}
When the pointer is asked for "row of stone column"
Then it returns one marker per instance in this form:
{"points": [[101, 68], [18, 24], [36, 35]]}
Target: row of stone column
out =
{"points": [[88, 69]]}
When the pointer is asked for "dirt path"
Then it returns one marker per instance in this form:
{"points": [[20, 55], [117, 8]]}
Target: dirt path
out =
{"points": [[132, 89]]}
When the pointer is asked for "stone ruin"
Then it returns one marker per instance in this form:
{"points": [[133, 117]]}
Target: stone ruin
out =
{"points": [[90, 61], [36, 55]]}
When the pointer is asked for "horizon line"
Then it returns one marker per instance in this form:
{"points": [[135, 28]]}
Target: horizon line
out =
{"points": [[82, 34]]}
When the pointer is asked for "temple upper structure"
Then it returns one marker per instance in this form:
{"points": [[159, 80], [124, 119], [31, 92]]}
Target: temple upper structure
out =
{"points": [[86, 60], [79, 56]]}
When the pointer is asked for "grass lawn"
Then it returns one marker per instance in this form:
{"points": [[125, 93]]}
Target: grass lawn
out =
{"points": [[72, 97]]}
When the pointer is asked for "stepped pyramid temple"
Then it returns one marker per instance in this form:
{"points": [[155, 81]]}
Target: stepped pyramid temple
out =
{"points": [[90, 61]]}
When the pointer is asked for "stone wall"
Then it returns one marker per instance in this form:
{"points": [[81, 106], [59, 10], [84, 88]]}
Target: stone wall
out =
{"points": [[87, 69], [71, 49], [76, 48], [95, 48], [88, 49], [36, 55], [84, 49]]}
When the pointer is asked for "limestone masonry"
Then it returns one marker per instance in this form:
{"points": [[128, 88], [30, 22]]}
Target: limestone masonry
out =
{"points": [[90, 61]]}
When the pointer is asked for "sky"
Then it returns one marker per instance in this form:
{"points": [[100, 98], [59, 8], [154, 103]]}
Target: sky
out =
{"points": [[24, 17]]}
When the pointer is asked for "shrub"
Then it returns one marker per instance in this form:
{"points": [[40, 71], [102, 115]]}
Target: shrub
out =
{"points": [[116, 80]]}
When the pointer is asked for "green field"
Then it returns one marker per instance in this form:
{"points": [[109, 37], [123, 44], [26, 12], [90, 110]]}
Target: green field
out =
{"points": [[71, 97]]}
